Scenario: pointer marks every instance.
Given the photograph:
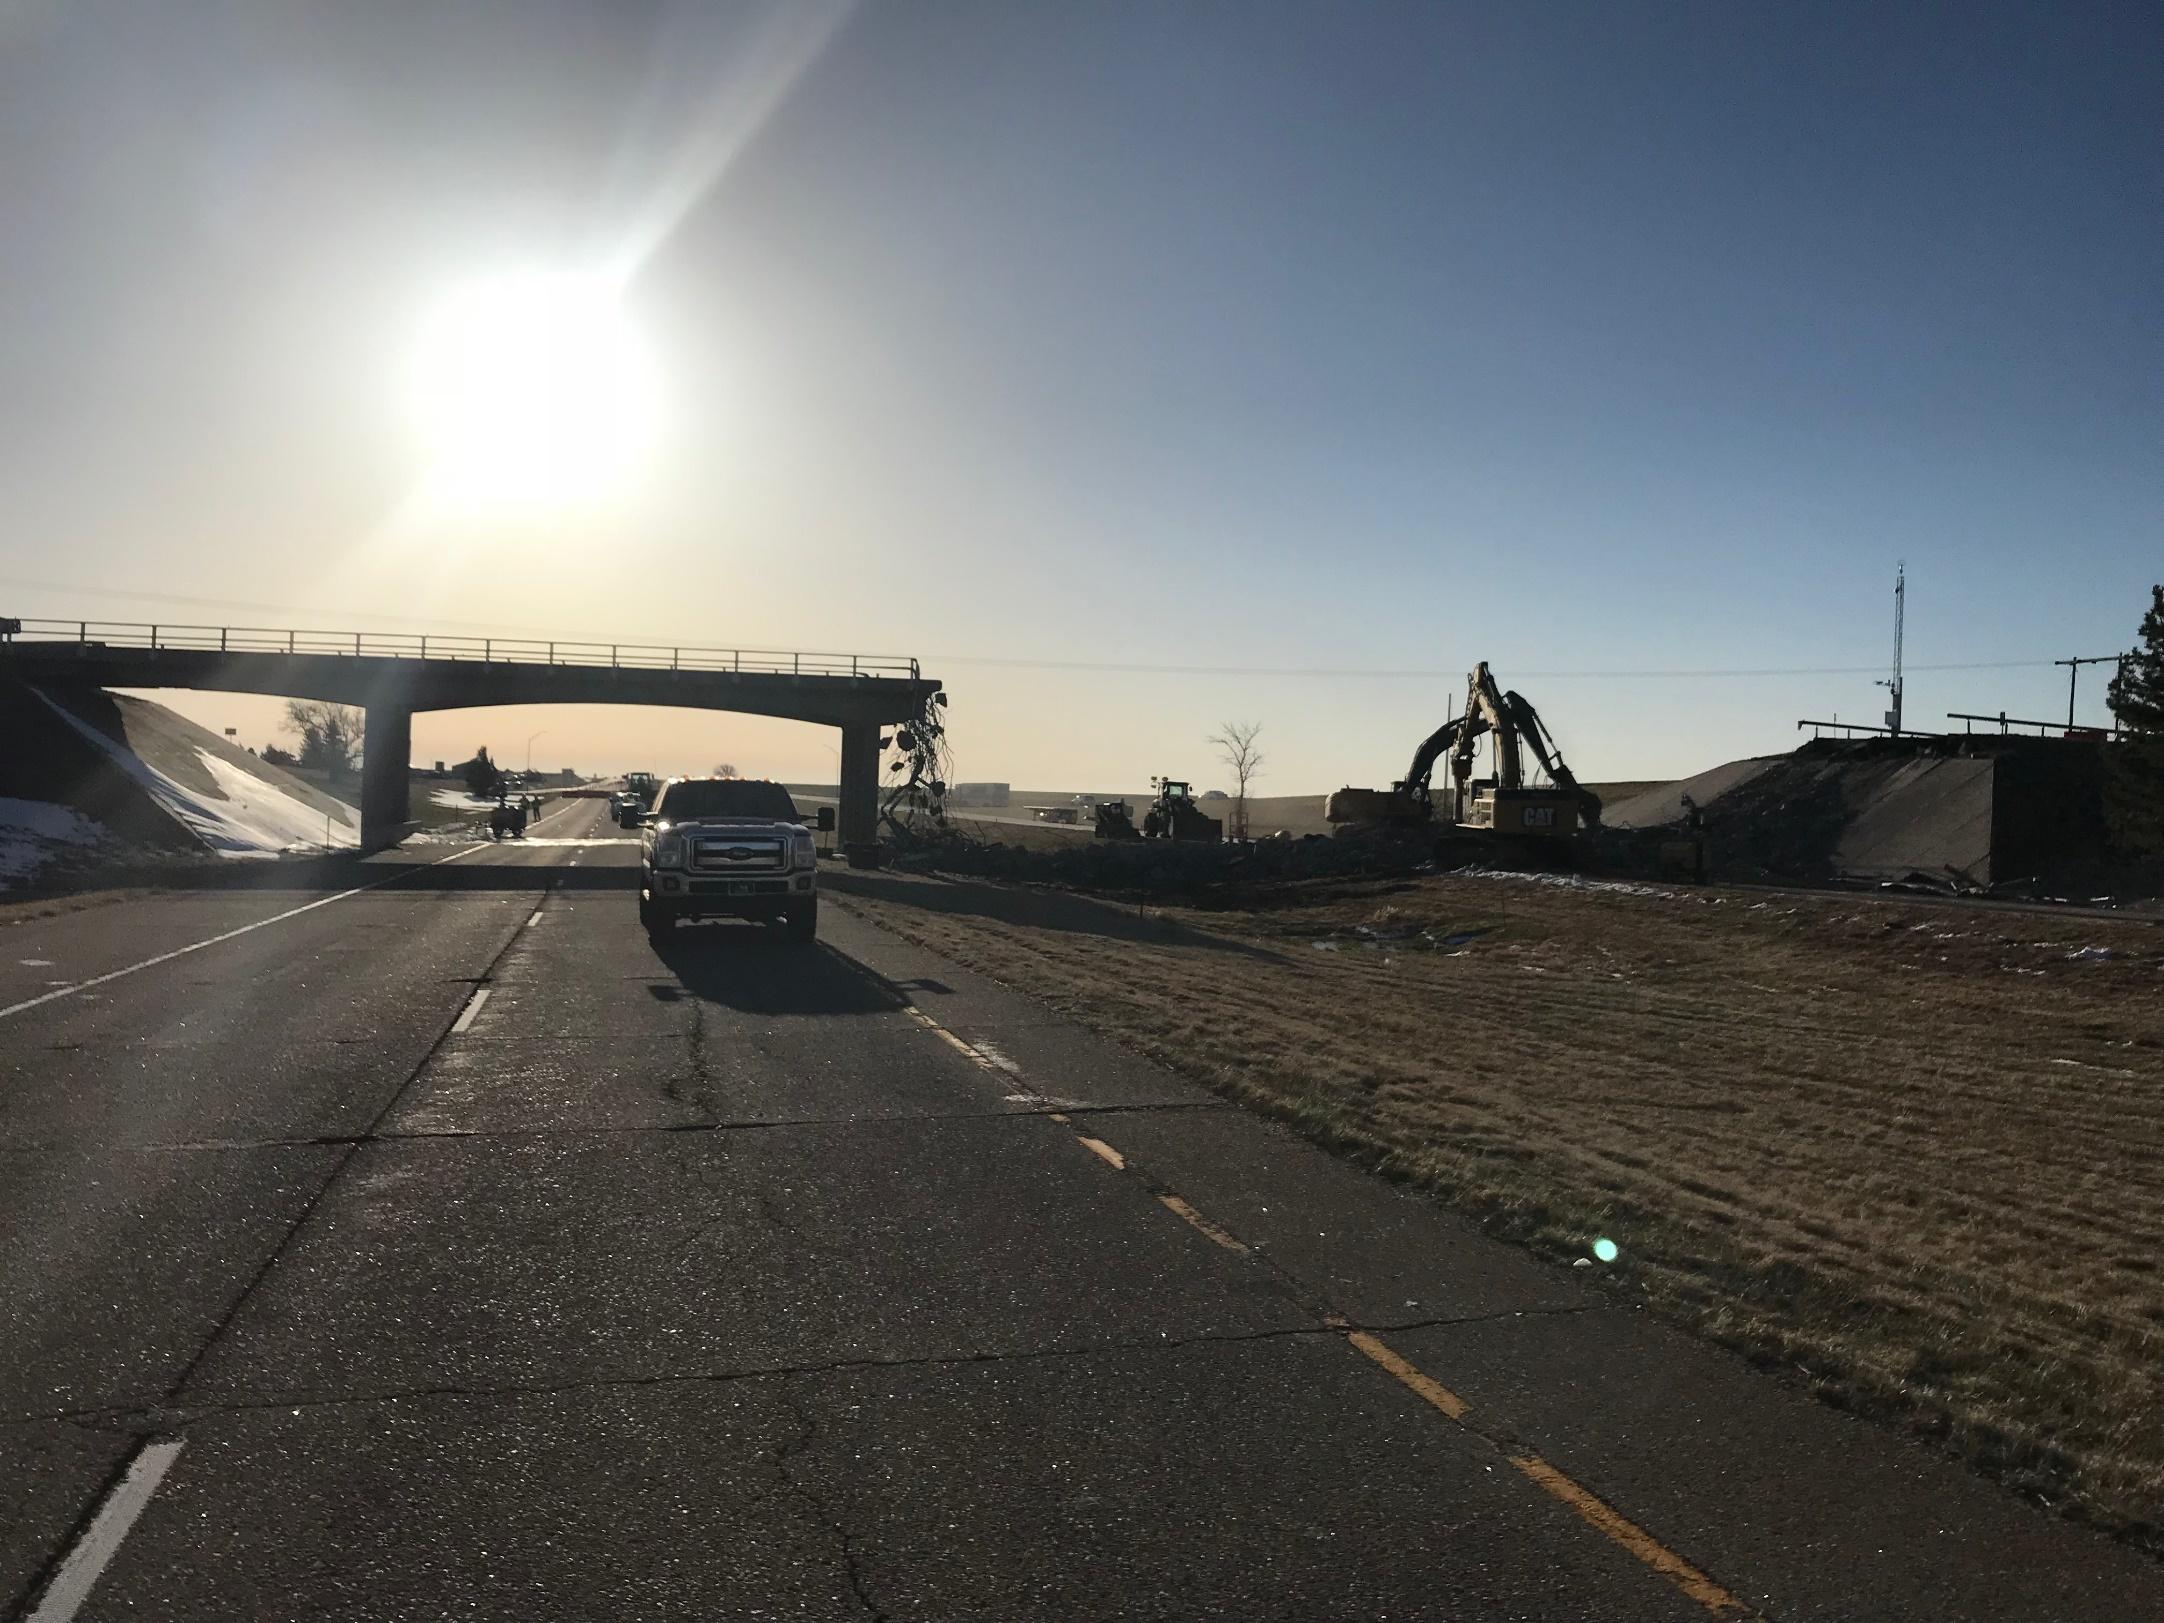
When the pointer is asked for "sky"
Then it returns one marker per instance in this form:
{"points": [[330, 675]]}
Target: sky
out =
{"points": [[1137, 367]]}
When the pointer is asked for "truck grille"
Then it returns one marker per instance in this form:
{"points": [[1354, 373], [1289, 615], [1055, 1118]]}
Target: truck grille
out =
{"points": [[738, 854]]}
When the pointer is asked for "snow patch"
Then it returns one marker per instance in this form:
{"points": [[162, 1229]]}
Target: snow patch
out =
{"points": [[33, 832], [256, 816], [1564, 881]]}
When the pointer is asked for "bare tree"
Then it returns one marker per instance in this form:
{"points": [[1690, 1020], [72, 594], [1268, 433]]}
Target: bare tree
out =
{"points": [[330, 734], [1236, 748], [725, 770]]}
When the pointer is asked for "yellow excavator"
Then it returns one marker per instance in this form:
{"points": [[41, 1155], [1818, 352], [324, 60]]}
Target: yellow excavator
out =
{"points": [[1503, 804]]}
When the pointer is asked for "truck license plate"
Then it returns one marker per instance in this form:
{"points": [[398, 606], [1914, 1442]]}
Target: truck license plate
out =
{"points": [[739, 888]]}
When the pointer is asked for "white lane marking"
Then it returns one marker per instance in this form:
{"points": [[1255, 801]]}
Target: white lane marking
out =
{"points": [[472, 1008], [536, 919], [86, 1563], [552, 841], [996, 1057], [212, 941], [35, 963]]}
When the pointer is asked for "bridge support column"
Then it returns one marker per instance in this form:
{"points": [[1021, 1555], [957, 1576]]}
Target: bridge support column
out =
{"points": [[386, 754], [859, 811]]}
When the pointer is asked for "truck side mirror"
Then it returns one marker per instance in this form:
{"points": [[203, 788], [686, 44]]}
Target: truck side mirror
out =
{"points": [[826, 819]]}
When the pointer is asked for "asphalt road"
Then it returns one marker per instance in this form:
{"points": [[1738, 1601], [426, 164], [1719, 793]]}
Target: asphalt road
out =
{"points": [[423, 1243]]}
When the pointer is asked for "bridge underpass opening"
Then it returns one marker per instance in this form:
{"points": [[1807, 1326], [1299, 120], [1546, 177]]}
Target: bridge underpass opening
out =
{"points": [[595, 741]]}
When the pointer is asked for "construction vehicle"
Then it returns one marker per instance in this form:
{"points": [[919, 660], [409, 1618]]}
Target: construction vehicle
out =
{"points": [[1116, 821], [1173, 815], [1503, 804]]}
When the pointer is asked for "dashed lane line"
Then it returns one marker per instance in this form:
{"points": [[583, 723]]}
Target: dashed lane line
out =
{"points": [[212, 941], [101, 1540], [465, 1019], [1426, 1387], [1619, 1529], [1194, 1219]]}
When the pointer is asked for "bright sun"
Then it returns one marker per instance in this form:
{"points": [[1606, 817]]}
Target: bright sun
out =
{"points": [[531, 391]]}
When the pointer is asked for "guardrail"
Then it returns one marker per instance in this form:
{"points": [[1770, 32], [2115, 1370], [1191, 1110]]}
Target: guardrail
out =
{"points": [[2044, 729], [481, 650]]}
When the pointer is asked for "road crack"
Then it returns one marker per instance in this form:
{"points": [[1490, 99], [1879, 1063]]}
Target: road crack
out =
{"points": [[790, 1450]]}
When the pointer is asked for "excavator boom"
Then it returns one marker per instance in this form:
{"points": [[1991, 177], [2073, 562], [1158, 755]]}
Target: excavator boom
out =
{"points": [[1550, 755]]}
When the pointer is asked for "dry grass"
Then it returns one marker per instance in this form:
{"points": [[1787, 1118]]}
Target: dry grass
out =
{"points": [[1910, 1149]]}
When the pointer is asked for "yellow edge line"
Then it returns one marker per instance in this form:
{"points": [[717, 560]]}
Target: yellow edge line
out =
{"points": [[1098, 1147], [1428, 1388], [1187, 1214], [1619, 1529]]}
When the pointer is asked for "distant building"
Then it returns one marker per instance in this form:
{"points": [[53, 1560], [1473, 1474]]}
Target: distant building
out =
{"points": [[978, 794]]}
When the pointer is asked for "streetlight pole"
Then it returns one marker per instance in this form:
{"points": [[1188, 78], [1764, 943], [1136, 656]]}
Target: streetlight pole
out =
{"points": [[543, 733]]}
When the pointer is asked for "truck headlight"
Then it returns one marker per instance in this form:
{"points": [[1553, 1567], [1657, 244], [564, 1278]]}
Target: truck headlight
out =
{"points": [[668, 850], [807, 849]]}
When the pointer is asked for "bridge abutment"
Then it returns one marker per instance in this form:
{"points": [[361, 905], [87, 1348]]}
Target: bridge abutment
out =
{"points": [[858, 814], [386, 755]]}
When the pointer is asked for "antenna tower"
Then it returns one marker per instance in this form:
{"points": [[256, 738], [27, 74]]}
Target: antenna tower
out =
{"points": [[1901, 592]]}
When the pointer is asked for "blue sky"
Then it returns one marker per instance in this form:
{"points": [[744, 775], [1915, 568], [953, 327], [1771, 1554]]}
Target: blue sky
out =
{"points": [[1577, 338]]}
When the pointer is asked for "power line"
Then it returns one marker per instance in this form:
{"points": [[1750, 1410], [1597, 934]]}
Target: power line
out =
{"points": [[1116, 667]]}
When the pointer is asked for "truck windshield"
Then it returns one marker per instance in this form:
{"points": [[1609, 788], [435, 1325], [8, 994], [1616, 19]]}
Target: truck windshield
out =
{"points": [[726, 797]]}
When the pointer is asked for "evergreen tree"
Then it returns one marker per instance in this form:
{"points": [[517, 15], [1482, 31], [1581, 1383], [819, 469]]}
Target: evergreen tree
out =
{"points": [[481, 773], [2134, 785]]}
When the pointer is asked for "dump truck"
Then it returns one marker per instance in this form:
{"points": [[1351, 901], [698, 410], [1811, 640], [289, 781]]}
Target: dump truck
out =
{"points": [[1503, 804]]}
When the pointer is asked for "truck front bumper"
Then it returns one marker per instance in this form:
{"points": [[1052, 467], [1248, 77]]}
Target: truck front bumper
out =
{"points": [[688, 896]]}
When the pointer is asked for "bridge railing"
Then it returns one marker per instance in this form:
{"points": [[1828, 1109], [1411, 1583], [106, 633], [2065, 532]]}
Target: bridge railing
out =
{"points": [[90, 634]]}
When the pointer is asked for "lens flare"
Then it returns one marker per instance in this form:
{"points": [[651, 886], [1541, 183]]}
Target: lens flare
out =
{"points": [[531, 391]]}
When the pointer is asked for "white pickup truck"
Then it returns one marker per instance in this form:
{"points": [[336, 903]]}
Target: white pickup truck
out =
{"points": [[727, 848]]}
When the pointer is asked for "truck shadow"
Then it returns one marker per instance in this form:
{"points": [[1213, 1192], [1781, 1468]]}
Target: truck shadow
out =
{"points": [[754, 969]]}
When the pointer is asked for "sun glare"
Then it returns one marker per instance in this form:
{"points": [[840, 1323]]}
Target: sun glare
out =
{"points": [[531, 391]]}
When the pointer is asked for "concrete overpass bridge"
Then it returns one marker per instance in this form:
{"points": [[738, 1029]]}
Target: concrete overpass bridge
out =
{"points": [[390, 676]]}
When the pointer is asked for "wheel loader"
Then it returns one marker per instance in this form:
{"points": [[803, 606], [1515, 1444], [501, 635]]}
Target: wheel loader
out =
{"points": [[1173, 815]]}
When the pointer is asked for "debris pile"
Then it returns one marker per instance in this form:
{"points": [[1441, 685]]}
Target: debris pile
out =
{"points": [[1190, 870]]}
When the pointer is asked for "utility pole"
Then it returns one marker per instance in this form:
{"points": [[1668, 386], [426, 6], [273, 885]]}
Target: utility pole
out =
{"points": [[2073, 675], [1901, 590]]}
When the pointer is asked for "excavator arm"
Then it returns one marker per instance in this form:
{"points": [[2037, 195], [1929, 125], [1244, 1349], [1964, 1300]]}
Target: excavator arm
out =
{"points": [[1484, 702], [1432, 749], [1550, 755]]}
